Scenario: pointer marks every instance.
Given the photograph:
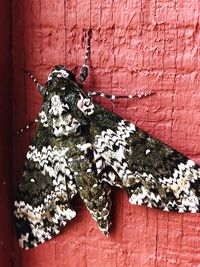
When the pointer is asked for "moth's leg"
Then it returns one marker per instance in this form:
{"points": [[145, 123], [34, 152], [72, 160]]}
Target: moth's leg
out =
{"points": [[40, 88], [84, 70], [112, 97], [27, 127]]}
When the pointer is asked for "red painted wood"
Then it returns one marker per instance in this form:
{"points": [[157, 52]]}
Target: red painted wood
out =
{"points": [[5, 137], [137, 46]]}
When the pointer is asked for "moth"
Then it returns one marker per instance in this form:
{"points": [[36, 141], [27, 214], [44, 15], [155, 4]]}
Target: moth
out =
{"points": [[81, 148]]}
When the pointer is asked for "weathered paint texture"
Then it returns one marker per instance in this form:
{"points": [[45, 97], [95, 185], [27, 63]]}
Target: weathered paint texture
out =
{"points": [[136, 46], [5, 137]]}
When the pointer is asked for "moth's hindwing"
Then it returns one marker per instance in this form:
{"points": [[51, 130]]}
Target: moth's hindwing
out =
{"points": [[151, 172]]}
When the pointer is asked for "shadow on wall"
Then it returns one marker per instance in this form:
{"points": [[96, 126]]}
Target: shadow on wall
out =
{"points": [[6, 231]]}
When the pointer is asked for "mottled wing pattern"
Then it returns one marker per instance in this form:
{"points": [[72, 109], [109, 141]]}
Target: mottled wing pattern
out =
{"points": [[42, 206], [59, 164], [80, 148], [151, 172]]}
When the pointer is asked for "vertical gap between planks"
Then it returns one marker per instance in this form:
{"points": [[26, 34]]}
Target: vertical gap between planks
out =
{"points": [[65, 32]]}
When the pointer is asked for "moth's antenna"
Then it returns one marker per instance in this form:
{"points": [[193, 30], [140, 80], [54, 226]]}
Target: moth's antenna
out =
{"points": [[112, 97], [27, 127], [40, 88], [84, 69]]}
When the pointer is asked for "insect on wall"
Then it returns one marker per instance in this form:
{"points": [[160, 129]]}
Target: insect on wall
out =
{"points": [[81, 148]]}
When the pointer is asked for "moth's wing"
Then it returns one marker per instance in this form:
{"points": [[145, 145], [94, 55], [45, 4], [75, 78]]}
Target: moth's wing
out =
{"points": [[42, 206], [152, 173]]}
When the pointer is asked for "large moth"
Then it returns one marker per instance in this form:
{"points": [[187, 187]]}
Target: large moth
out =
{"points": [[81, 148]]}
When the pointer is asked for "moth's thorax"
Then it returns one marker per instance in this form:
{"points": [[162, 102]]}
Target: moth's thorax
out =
{"points": [[65, 111], [57, 116]]}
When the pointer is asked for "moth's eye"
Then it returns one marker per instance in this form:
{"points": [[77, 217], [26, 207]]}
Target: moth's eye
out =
{"points": [[64, 74]]}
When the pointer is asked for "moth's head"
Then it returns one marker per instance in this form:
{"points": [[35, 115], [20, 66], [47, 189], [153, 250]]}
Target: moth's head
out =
{"points": [[60, 72]]}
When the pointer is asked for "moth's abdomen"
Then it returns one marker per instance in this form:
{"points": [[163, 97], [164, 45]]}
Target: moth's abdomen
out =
{"points": [[95, 193]]}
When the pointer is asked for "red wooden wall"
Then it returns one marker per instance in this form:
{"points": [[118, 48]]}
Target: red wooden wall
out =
{"points": [[5, 136], [137, 46]]}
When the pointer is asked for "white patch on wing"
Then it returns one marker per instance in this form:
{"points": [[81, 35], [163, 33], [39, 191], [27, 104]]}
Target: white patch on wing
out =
{"points": [[113, 147], [43, 119], [85, 105]]}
